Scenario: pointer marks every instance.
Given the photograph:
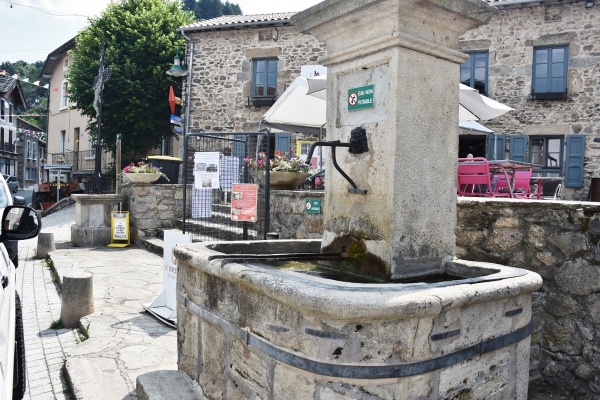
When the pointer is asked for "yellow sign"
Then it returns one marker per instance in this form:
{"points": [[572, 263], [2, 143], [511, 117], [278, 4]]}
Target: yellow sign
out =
{"points": [[119, 228]]}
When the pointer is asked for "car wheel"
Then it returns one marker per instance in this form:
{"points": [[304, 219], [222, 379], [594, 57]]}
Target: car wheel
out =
{"points": [[19, 382]]}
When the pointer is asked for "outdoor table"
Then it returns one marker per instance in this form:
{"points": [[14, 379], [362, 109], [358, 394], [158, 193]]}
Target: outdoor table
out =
{"points": [[509, 165], [539, 180]]}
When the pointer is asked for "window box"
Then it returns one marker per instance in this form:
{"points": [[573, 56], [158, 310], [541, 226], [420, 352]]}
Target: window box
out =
{"points": [[549, 96], [261, 101]]}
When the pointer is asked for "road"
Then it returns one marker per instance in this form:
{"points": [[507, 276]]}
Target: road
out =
{"points": [[26, 194]]}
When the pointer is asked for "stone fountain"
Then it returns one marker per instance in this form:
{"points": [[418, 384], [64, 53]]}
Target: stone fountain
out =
{"points": [[379, 308]]}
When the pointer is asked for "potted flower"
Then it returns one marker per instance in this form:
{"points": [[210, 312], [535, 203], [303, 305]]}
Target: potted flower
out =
{"points": [[142, 173], [286, 171]]}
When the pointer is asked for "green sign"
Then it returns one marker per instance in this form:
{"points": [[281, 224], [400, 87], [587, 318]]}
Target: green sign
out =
{"points": [[361, 97], [313, 206]]}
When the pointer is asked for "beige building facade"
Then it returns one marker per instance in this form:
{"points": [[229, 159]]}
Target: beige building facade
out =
{"points": [[69, 141]]}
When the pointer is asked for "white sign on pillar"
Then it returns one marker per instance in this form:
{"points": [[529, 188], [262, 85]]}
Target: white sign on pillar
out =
{"points": [[165, 305]]}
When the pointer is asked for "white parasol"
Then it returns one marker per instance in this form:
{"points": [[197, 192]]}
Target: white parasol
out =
{"points": [[472, 105]]}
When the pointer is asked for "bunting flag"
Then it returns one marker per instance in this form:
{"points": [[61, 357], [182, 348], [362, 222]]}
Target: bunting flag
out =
{"points": [[34, 134], [26, 80]]}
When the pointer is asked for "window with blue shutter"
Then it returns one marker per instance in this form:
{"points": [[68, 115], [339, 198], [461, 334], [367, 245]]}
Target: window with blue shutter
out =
{"points": [[574, 160], [550, 66], [518, 148], [496, 147], [283, 142]]}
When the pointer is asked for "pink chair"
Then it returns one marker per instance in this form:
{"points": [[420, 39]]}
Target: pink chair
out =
{"points": [[474, 178], [522, 184]]}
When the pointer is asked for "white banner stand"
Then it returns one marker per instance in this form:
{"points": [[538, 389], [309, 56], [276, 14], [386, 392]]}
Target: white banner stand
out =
{"points": [[165, 306]]}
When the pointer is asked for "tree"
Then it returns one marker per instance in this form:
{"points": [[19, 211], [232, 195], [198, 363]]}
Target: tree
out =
{"points": [[207, 9], [140, 41]]}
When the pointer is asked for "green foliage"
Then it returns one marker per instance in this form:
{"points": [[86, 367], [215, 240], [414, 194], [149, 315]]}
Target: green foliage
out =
{"points": [[84, 334], [140, 42], [207, 9], [57, 324]]}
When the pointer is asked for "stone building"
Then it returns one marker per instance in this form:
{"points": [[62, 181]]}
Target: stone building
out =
{"points": [[541, 58], [11, 96], [241, 64]]}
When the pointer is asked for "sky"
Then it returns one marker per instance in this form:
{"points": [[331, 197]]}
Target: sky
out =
{"points": [[34, 28]]}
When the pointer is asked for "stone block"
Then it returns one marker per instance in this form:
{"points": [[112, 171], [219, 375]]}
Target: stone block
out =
{"points": [[77, 298], [166, 385], [45, 244]]}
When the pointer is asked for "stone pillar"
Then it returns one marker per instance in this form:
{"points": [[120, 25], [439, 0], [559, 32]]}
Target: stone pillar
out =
{"points": [[92, 218], [45, 244], [405, 49], [77, 298]]}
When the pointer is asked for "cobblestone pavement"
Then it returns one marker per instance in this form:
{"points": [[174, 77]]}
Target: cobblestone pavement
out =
{"points": [[44, 347]]}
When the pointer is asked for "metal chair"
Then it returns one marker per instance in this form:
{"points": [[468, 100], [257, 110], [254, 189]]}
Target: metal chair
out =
{"points": [[521, 182], [474, 178]]}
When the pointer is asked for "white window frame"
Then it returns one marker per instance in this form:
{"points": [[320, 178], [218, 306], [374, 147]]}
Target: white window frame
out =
{"points": [[34, 150], [61, 144], [64, 97], [29, 152]]}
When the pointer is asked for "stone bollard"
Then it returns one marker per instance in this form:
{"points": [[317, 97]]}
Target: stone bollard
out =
{"points": [[77, 298], [45, 244]]}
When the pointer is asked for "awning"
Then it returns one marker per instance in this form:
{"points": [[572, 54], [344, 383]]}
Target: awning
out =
{"points": [[295, 111], [474, 126]]}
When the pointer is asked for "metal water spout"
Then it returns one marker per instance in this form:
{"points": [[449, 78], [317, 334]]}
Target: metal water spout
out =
{"points": [[358, 145]]}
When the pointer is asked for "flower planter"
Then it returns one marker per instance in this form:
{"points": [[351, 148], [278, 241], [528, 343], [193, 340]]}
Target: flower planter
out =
{"points": [[143, 177], [280, 180]]}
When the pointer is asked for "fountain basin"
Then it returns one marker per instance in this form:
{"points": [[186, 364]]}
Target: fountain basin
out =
{"points": [[248, 328]]}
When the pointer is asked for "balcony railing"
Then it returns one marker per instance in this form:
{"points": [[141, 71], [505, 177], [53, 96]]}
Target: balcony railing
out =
{"points": [[9, 147], [80, 160]]}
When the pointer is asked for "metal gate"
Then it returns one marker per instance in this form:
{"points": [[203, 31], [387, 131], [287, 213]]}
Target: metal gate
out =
{"points": [[214, 162]]}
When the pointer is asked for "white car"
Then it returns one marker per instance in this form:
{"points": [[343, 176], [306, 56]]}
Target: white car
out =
{"points": [[17, 223]]}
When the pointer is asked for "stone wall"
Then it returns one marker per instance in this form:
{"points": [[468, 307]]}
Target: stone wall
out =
{"points": [[288, 214], [558, 240], [223, 70], [510, 37], [152, 207]]}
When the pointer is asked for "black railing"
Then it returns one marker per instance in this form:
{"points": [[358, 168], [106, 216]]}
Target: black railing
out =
{"points": [[8, 147], [102, 185], [80, 160]]}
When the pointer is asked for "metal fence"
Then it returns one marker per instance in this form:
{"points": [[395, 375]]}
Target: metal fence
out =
{"points": [[214, 162], [80, 160]]}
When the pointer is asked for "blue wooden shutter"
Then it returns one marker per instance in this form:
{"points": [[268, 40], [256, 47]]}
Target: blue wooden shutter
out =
{"points": [[283, 142], [496, 147], [518, 148], [574, 161]]}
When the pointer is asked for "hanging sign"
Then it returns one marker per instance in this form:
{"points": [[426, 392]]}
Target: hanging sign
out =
{"points": [[244, 198], [176, 120], [361, 97]]}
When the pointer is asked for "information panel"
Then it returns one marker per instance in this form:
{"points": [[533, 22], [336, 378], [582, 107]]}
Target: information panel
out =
{"points": [[119, 229]]}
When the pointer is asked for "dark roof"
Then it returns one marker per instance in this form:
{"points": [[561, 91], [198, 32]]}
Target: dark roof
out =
{"points": [[53, 58], [9, 85], [239, 21], [21, 123]]}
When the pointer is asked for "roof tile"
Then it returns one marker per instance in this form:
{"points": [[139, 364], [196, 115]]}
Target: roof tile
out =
{"points": [[232, 21]]}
